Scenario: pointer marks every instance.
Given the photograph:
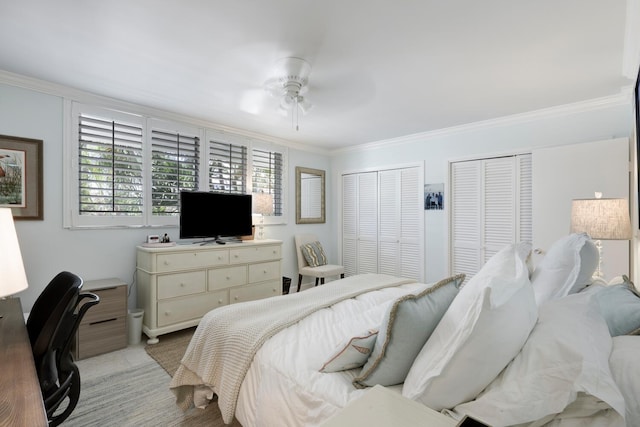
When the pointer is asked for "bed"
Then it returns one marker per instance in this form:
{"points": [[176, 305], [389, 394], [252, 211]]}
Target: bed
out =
{"points": [[514, 345]]}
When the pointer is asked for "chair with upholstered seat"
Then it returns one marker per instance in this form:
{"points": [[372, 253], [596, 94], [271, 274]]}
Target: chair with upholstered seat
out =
{"points": [[319, 268], [52, 325]]}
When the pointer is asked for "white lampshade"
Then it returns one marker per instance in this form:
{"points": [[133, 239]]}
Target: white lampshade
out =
{"points": [[263, 203], [602, 219], [12, 276]]}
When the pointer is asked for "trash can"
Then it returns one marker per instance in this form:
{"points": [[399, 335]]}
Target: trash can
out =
{"points": [[134, 333], [286, 284]]}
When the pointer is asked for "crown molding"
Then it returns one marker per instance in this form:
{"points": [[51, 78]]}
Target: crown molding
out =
{"points": [[78, 95], [623, 98]]}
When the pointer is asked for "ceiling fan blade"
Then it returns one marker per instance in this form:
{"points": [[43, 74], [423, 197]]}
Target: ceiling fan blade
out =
{"points": [[255, 101]]}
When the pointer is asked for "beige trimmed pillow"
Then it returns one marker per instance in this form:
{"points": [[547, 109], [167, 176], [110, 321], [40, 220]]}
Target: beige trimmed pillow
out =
{"points": [[351, 354], [405, 328]]}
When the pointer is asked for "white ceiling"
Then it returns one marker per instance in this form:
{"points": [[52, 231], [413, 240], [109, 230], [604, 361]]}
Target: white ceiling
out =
{"points": [[380, 69]]}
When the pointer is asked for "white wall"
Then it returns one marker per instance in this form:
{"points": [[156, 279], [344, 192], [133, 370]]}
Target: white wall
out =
{"points": [[593, 121], [47, 248]]}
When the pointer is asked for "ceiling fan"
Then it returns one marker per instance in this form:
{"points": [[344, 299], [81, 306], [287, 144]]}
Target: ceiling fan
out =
{"points": [[289, 84]]}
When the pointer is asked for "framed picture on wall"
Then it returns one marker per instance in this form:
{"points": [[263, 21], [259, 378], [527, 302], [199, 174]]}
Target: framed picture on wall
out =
{"points": [[21, 176], [433, 197]]}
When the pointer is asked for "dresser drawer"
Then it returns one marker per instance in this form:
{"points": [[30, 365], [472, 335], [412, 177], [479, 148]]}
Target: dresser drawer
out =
{"points": [[253, 292], [180, 284], [264, 271], [187, 260], [222, 278], [249, 255], [113, 303], [189, 308], [101, 337]]}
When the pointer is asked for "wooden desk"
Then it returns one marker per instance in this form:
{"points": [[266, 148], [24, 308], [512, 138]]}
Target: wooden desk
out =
{"points": [[20, 397]]}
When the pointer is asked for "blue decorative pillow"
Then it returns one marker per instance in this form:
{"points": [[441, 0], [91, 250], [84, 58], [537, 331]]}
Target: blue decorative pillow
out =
{"points": [[620, 306], [405, 328], [314, 254]]}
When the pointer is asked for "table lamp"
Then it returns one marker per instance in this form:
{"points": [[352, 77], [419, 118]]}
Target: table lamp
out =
{"points": [[12, 276], [263, 203], [601, 219]]}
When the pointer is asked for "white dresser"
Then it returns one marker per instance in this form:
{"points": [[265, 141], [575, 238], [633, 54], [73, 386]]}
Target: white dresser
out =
{"points": [[178, 285]]}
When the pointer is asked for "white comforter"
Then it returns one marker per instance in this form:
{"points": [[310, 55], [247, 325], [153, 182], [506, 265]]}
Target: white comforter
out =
{"points": [[284, 387]]}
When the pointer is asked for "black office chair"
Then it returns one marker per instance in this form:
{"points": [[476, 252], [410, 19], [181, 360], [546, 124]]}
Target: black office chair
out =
{"points": [[52, 324]]}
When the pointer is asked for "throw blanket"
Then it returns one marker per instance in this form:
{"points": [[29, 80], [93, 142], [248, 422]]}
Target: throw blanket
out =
{"points": [[228, 337]]}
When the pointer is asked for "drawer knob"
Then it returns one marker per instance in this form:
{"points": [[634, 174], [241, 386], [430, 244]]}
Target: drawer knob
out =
{"points": [[264, 271], [235, 298], [219, 301], [167, 313], [181, 285], [166, 262], [228, 278]]}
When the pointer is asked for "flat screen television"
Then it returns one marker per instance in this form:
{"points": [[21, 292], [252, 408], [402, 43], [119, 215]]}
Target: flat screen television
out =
{"points": [[205, 215]]}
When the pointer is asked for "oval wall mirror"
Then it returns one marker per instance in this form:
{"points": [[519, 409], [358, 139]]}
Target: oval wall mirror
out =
{"points": [[309, 196]]}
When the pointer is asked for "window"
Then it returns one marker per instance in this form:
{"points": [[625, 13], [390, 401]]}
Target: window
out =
{"points": [[227, 167], [175, 157], [110, 166], [267, 176], [126, 169]]}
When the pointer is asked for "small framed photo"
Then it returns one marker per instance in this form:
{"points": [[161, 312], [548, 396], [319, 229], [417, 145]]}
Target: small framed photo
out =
{"points": [[433, 197], [21, 177]]}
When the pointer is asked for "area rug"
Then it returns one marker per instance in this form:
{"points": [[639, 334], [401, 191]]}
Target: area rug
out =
{"points": [[139, 396], [169, 351]]}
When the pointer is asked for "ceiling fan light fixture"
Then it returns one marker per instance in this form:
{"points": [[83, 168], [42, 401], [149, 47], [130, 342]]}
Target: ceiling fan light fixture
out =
{"points": [[288, 84]]}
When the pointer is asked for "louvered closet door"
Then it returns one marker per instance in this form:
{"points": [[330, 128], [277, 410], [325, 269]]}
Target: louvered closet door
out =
{"points": [[360, 223], [400, 209], [466, 196], [491, 209], [349, 224]]}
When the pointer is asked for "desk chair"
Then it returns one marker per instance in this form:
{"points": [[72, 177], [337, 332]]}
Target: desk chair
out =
{"points": [[52, 324], [320, 271]]}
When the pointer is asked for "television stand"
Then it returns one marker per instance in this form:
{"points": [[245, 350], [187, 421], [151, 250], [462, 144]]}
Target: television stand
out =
{"points": [[178, 285]]}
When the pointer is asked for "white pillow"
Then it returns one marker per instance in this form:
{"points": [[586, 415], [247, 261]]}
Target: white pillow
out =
{"points": [[562, 369], [351, 354], [626, 372], [566, 268], [485, 327]]}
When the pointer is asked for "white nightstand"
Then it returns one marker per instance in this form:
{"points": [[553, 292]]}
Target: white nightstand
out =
{"points": [[381, 407]]}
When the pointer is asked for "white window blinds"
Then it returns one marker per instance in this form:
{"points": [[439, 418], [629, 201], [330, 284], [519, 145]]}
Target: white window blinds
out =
{"points": [[110, 166], [267, 171], [125, 169], [227, 167], [174, 167]]}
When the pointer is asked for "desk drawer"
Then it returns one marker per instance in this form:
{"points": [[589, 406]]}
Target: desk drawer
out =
{"points": [[101, 337], [113, 303]]}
